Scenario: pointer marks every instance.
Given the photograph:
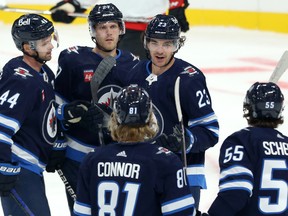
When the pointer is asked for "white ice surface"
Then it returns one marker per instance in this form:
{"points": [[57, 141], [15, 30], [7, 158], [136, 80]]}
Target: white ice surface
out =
{"points": [[232, 60]]}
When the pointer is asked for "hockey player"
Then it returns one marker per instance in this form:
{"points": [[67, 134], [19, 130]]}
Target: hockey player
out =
{"points": [[28, 125], [162, 40], [253, 161], [76, 67], [133, 177], [136, 19]]}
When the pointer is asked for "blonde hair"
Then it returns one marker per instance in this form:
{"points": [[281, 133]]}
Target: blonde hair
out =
{"points": [[133, 133]]}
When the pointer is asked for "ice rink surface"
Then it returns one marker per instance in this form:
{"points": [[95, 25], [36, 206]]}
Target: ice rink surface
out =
{"points": [[232, 60]]}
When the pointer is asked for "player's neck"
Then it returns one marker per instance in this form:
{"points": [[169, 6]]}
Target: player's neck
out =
{"points": [[158, 70], [32, 63], [105, 53]]}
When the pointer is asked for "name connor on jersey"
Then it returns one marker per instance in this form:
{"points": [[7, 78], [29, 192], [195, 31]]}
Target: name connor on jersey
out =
{"points": [[275, 148], [118, 169]]}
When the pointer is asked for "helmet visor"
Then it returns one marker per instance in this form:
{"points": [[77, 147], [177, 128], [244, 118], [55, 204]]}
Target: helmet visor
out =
{"points": [[166, 45], [45, 44]]}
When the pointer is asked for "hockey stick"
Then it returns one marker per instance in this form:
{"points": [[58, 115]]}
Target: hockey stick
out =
{"points": [[280, 68], [67, 185], [44, 12], [99, 75], [21, 203], [180, 119]]}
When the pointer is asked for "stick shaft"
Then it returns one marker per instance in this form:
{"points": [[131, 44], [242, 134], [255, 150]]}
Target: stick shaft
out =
{"points": [[44, 12], [67, 185], [180, 119], [280, 68], [21, 203]]}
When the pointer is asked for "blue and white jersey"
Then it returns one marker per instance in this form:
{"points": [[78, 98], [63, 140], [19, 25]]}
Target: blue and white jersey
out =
{"points": [[198, 115], [76, 68], [254, 174], [28, 124], [137, 179]]}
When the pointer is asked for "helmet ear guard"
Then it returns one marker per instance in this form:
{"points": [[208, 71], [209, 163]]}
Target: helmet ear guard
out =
{"points": [[263, 101]]}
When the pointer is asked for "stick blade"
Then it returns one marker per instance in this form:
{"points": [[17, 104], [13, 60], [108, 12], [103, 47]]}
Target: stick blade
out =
{"points": [[177, 98]]}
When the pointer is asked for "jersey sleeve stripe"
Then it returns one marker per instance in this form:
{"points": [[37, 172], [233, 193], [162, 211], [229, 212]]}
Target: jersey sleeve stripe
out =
{"points": [[9, 123], [195, 170], [28, 160], [4, 138], [237, 185], [235, 170], [81, 209], [177, 205]]}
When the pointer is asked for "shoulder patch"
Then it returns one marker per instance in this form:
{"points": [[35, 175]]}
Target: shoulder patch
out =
{"points": [[22, 72], [163, 150], [73, 49], [190, 71]]}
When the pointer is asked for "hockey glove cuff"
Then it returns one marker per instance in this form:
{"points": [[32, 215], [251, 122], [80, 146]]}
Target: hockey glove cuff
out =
{"points": [[173, 142], [72, 112], [57, 155], [59, 13], [8, 176]]}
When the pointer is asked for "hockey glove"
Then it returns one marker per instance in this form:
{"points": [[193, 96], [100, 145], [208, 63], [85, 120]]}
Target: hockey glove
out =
{"points": [[57, 155], [92, 119], [72, 112], [179, 13], [173, 142], [59, 13], [8, 176]]}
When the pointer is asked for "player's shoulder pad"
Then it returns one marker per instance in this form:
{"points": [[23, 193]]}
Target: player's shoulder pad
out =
{"points": [[75, 50], [164, 154], [186, 68]]}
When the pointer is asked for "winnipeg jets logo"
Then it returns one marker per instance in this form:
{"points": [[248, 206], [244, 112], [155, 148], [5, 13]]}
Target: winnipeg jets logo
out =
{"points": [[49, 124], [190, 71], [22, 72], [107, 94], [151, 78]]}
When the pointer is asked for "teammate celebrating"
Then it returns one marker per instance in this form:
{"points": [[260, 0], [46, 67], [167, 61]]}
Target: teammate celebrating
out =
{"points": [[76, 67], [253, 161], [136, 20], [28, 126], [158, 75], [133, 177]]}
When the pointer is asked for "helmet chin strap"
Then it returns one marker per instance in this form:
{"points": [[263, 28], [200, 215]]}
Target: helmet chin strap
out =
{"points": [[37, 58]]}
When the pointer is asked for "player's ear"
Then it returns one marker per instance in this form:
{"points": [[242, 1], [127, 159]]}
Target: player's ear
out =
{"points": [[27, 48]]}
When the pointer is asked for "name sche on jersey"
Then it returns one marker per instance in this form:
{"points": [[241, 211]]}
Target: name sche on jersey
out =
{"points": [[275, 148]]}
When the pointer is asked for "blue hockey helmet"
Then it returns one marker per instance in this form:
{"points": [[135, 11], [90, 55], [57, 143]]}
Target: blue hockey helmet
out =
{"points": [[105, 13], [163, 27], [30, 27], [264, 101], [132, 106]]}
